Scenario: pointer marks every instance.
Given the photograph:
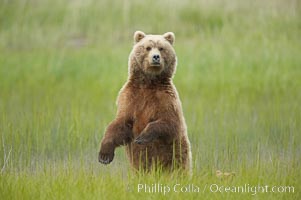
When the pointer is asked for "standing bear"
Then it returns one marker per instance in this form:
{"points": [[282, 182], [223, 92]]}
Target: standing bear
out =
{"points": [[149, 119]]}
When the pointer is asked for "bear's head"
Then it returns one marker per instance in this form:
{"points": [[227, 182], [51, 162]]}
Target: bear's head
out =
{"points": [[153, 56]]}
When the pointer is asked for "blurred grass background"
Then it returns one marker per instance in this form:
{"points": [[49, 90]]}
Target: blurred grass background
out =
{"points": [[62, 64]]}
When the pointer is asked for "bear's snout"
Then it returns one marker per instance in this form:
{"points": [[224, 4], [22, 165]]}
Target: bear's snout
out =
{"points": [[156, 59]]}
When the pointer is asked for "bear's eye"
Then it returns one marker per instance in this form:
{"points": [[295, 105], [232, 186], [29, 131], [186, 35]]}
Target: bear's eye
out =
{"points": [[161, 49], [148, 48]]}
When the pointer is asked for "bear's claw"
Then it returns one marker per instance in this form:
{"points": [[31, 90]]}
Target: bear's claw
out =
{"points": [[105, 158], [142, 139], [139, 141]]}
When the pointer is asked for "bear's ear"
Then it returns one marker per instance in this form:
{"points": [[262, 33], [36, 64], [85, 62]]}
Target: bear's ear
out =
{"points": [[138, 35], [170, 37]]}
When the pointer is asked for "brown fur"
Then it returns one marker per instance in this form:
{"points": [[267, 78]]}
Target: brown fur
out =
{"points": [[149, 118]]}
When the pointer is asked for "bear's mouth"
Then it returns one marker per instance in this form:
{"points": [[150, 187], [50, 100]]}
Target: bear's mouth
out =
{"points": [[154, 68], [155, 64]]}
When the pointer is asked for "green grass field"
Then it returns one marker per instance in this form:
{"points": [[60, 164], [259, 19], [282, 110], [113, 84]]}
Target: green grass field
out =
{"points": [[62, 64]]}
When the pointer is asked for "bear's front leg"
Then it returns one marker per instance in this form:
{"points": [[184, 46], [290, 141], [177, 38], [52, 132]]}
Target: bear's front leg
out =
{"points": [[159, 129], [119, 132]]}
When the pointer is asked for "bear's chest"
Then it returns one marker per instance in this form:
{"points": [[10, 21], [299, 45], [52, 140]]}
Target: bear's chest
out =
{"points": [[146, 106]]}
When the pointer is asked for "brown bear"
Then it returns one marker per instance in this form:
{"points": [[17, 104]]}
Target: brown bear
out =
{"points": [[149, 119]]}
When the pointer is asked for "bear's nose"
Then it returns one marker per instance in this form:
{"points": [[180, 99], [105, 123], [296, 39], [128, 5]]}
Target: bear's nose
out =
{"points": [[156, 58]]}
